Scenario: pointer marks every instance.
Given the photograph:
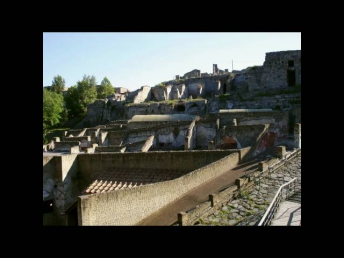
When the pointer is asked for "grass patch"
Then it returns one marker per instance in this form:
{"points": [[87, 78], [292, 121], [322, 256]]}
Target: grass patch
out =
{"points": [[261, 207], [161, 84]]}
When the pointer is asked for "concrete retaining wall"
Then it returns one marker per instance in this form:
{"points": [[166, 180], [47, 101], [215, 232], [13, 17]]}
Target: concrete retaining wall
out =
{"points": [[130, 206]]}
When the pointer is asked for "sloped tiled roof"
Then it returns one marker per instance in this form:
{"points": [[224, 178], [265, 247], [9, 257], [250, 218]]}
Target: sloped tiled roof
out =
{"points": [[116, 179]]}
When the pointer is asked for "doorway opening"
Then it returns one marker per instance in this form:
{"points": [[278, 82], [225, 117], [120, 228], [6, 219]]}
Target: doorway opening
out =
{"points": [[291, 77]]}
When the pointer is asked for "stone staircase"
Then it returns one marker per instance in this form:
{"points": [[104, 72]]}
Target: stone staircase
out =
{"points": [[251, 204], [296, 197]]}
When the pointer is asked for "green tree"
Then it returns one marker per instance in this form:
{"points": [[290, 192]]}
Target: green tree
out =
{"points": [[81, 95], [52, 109], [72, 101], [58, 84], [105, 89]]}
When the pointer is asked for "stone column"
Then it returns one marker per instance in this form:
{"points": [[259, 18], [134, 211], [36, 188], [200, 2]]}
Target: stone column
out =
{"points": [[297, 136], [280, 151], [217, 123], [187, 143], [101, 139]]}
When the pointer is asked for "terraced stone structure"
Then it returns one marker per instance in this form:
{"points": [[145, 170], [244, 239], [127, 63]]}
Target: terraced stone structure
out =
{"points": [[126, 161], [249, 88]]}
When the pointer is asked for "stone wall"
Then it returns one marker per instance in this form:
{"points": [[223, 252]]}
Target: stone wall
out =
{"points": [[193, 74], [144, 94], [276, 102], [195, 90], [166, 134], [65, 146], [148, 109], [280, 71], [182, 91], [276, 66], [109, 149], [91, 164], [274, 73], [61, 184], [120, 90], [137, 146], [253, 77], [205, 132], [246, 101], [159, 93], [114, 138], [245, 135], [93, 134], [75, 132], [130, 206], [77, 138], [280, 126], [194, 107], [169, 92], [102, 111]]}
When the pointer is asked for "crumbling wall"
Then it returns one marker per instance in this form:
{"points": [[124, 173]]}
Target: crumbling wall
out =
{"points": [[193, 74], [195, 90], [61, 184], [205, 132], [245, 135], [166, 134], [148, 109], [276, 66], [144, 94]]}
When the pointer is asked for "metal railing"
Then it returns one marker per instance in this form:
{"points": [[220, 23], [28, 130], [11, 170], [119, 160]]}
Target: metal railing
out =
{"points": [[272, 209]]}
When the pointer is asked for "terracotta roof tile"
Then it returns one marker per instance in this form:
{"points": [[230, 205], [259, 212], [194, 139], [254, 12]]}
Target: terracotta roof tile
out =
{"points": [[116, 179]]}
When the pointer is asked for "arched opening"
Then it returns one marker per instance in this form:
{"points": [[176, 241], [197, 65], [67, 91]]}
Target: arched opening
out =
{"points": [[224, 88]]}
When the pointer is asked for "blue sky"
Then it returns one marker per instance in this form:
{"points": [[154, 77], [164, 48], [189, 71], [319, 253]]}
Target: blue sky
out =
{"points": [[132, 60]]}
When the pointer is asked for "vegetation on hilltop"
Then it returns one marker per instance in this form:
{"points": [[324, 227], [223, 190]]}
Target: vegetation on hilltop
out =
{"points": [[105, 89], [58, 84], [52, 109], [59, 108]]}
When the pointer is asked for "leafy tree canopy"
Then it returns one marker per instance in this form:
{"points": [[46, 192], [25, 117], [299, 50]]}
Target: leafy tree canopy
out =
{"points": [[52, 108], [81, 95], [58, 84], [105, 89]]}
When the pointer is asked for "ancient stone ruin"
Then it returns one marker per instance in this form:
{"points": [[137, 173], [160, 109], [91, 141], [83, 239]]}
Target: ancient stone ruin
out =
{"points": [[136, 152]]}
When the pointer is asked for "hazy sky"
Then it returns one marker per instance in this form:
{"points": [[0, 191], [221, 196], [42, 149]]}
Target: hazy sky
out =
{"points": [[132, 60]]}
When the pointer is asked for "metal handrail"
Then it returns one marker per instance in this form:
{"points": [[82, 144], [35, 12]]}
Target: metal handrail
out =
{"points": [[270, 212]]}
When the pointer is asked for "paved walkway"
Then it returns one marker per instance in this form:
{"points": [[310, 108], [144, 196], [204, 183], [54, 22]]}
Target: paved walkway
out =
{"points": [[168, 215], [288, 214], [247, 209]]}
